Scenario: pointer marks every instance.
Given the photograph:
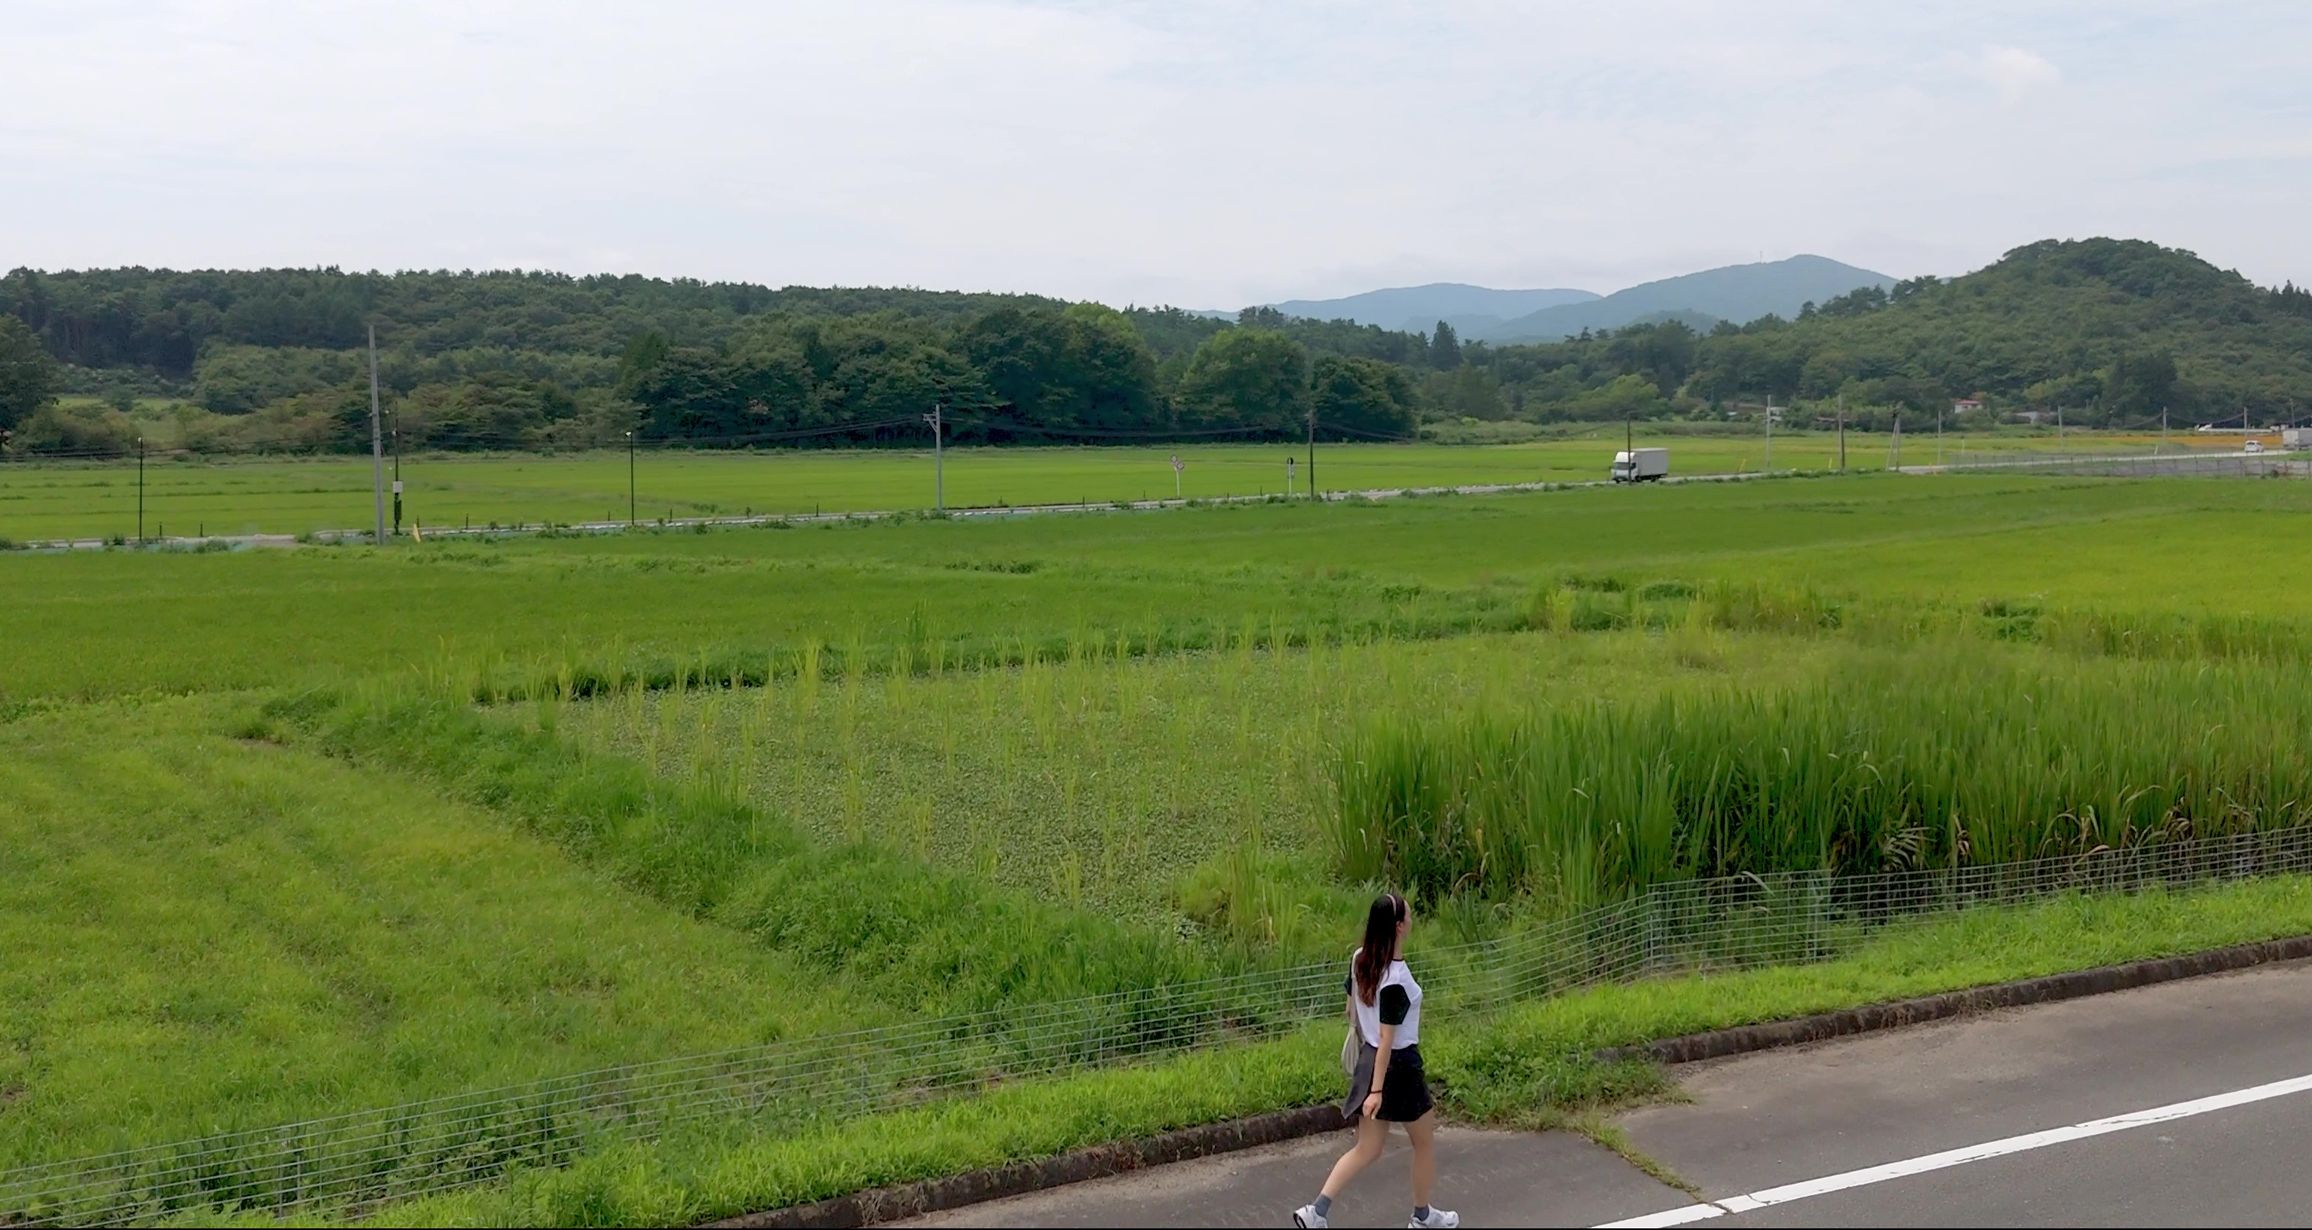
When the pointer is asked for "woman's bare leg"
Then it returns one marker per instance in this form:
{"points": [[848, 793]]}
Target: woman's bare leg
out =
{"points": [[1371, 1135], [1423, 1133]]}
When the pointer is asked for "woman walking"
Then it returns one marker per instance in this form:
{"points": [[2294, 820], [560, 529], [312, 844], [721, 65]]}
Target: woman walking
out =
{"points": [[1388, 1086]]}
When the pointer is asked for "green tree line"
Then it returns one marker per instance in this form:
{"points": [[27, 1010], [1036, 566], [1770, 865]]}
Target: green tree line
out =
{"points": [[272, 360]]}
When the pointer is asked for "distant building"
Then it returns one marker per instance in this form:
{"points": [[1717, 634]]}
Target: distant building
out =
{"points": [[1965, 404]]}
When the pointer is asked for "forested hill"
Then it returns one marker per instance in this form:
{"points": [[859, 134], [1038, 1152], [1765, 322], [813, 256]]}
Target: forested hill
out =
{"points": [[161, 320], [2116, 327], [271, 360]]}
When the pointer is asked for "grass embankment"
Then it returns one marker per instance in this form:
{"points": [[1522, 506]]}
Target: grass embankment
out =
{"points": [[914, 936], [208, 933], [1532, 1066]]}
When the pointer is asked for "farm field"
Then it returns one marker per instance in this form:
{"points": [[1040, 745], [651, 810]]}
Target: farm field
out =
{"points": [[187, 496], [320, 829], [103, 623]]}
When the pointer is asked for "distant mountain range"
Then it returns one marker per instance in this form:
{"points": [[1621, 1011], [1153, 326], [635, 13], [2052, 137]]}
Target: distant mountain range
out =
{"points": [[1419, 308], [1739, 293]]}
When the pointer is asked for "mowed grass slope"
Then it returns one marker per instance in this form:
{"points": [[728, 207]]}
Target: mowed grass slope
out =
{"points": [[207, 932]]}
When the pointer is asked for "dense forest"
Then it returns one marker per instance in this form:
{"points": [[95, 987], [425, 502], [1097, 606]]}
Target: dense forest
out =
{"points": [[273, 360]]}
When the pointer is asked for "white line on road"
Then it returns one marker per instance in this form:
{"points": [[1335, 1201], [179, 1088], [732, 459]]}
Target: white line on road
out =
{"points": [[1960, 1157]]}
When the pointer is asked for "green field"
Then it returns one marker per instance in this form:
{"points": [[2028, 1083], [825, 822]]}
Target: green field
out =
{"points": [[316, 829], [188, 496]]}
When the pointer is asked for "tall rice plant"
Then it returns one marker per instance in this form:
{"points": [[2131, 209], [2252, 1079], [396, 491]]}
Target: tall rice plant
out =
{"points": [[1934, 758]]}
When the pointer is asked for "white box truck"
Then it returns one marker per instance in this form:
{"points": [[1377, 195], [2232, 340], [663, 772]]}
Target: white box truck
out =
{"points": [[1641, 465]]}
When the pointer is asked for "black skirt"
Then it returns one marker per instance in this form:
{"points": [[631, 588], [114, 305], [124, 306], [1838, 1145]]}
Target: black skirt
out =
{"points": [[1404, 1088]]}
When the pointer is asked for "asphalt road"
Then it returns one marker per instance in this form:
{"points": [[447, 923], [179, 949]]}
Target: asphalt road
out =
{"points": [[2187, 1104], [1023, 510]]}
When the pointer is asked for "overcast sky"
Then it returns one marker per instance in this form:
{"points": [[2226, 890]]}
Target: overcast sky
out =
{"points": [[1205, 154]]}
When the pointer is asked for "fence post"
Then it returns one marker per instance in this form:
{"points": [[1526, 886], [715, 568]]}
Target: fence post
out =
{"points": [[1650, 955]]}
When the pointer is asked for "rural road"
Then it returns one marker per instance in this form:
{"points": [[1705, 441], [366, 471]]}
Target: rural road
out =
{"points": [[2143, 466], [2184, 1104], [960, 514]]}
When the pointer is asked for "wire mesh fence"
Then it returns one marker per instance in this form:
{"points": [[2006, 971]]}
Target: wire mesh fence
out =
{"points": [[361, 1159]]}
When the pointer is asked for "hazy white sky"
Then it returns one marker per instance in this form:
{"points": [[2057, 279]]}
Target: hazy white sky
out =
{"points": [[1206, 154]]}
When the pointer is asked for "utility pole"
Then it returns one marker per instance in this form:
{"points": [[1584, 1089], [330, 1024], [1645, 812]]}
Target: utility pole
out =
{"points": [[938, 420], [630, 480], [1842, 433], [376, 443], [1938, 437], [1314, 494], [2163, 429], [140, 489], [1898, 446], [397, 471], [1770, 433], [2059, 420]]}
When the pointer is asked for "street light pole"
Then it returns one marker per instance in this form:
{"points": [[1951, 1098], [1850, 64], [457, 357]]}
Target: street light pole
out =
{"points": [[630, 480], [140, 537]]}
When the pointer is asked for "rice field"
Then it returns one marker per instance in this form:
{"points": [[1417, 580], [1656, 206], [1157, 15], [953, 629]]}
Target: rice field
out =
{"points": [[187, 495], [1940, 756], [308, 830]]}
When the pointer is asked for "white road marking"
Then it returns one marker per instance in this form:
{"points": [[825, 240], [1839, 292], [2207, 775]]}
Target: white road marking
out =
{"points": [[1959, 1157]]}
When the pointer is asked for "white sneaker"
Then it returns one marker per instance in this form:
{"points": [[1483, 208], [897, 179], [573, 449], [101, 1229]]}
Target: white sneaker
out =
{"points": [[1438, 1219], [1307, 1218]]}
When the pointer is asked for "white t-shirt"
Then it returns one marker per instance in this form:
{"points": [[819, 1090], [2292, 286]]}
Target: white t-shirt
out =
{"points": [[1369, 1015]]}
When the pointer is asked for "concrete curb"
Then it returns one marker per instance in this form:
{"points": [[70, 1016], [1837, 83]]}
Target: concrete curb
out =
{"points": [[1100, 1161], [905, 1200], [1719, 1043]]}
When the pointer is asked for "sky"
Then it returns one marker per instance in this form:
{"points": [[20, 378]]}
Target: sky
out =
{"points": [[1201, 154]]}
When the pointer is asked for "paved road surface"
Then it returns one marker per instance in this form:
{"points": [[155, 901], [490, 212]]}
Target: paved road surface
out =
{"points": [[2183, 1104], [1024, 510]]}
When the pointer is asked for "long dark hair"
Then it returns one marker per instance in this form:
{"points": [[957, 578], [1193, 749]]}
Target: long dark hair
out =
{"points": [[1380, 944]]}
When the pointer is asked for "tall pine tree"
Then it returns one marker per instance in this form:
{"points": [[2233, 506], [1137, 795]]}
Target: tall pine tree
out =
{"points": [[1444, 348]]}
